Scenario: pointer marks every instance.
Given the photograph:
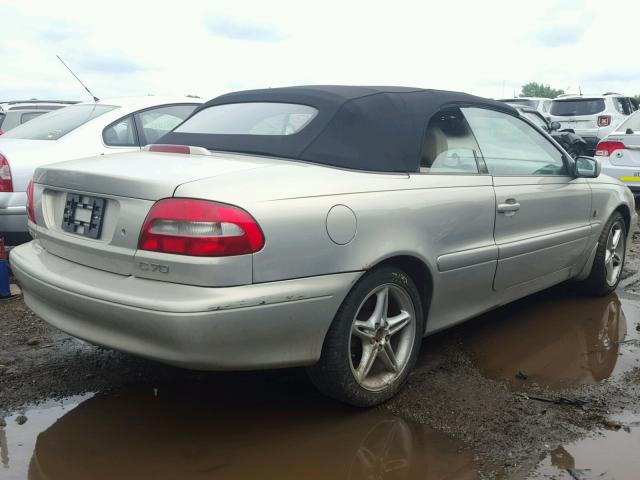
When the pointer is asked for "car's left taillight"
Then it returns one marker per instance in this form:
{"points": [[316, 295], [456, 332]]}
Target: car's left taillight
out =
{"points": [[31, 210], [6, 181], [201, 228], [606, 148]]}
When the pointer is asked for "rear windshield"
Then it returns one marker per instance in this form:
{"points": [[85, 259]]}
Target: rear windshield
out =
{"points": [[252, 118], [523, 101], [55, 124], [2, 115], [582, 106]]}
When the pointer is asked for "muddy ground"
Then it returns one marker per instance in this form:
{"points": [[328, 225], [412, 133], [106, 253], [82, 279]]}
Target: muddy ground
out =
{"points": [[511, 394]]}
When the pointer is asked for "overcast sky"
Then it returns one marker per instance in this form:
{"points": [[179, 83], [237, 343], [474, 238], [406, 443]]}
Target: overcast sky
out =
{"points": [[487, 47]]}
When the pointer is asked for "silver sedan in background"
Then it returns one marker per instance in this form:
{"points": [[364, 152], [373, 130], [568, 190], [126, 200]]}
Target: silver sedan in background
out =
{"points": [[330, 227]]}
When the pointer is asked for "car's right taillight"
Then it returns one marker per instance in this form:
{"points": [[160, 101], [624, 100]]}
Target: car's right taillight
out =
{"points": [[6, 181], [31, 211], [606, 148], [201, 228]]}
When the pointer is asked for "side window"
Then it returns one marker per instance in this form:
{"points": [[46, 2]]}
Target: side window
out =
{"points": [[510, 146], [623, 105], [448, 145], [156, 122], [121, 133]]}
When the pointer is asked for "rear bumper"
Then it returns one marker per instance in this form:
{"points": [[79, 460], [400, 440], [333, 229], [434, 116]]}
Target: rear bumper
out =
{"points": [[13, 218], [270, 325], [626, 174]]}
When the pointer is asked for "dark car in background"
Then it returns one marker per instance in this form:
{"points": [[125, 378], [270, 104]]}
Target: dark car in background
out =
{"points": [[17, 112], [573, 143]]}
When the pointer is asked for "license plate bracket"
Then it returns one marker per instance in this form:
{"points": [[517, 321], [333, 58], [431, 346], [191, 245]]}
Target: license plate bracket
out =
{"points": [[83, 215]]}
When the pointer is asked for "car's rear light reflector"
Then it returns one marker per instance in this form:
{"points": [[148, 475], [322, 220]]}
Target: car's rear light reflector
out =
{"points": [[606, 148], [31, 210], [181, 149], [169, 148], [6, 181], [604, 120], [1, 132], [199, 228]]}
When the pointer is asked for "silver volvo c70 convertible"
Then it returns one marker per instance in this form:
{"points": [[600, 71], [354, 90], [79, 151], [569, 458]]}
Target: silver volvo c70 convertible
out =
{"points": [[331, 227]]}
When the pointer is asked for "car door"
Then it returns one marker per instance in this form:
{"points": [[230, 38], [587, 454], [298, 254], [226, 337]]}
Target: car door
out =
{"points": [[542, 211], [453, 207]]}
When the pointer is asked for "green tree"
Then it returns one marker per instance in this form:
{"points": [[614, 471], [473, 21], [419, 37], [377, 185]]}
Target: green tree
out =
{"points": [[534, 89]]}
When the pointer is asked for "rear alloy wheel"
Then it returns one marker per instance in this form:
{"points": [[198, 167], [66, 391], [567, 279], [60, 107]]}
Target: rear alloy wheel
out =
{"points": [[610, 255], [374, 340]]}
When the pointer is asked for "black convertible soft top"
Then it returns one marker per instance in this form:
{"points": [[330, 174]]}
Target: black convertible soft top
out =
{"points": [[366, 128]]}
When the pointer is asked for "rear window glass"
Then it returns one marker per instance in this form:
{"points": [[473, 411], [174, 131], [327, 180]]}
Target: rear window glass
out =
{"points": [[55, 124], [252, 118], [570, 108], [523, 101], [2, 115]]}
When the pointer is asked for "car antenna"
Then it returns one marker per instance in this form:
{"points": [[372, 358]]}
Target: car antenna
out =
{"points": [[95, 99]]}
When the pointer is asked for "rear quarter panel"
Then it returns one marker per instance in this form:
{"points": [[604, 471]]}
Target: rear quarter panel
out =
{"points": [[444, 221]]}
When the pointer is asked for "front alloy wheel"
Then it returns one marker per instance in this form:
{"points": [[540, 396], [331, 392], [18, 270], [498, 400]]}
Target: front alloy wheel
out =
{"points": [[373, 341], [609, 260], [614, 254]]}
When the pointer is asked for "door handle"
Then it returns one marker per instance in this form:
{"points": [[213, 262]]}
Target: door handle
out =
{"points": [[510, 207]]}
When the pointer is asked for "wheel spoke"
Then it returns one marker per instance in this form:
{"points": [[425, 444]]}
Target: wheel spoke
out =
{"points": [[607, 257], [615, 239], [388, 357], [369, 354], [363, 330], [379, 315], [398, 322], [609, 267]]}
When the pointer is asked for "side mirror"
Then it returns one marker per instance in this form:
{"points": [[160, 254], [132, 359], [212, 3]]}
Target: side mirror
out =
{"points": [[587, 167], [554, 126]]}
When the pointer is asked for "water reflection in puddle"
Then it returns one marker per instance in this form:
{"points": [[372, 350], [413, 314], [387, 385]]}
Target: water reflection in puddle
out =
{"points": [[606, 455], [171, 434], [557, 339]]}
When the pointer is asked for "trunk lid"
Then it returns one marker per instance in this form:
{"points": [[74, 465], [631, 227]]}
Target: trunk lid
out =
{"points": [[91, 211], [143, 175]]}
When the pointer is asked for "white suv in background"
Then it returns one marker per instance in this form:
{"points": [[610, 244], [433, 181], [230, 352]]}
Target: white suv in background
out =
{"points": [[592, 117]]}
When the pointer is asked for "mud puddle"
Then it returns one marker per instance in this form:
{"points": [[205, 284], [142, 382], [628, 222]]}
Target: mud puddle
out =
{"points": [[606, 455], [557, 339], [231, 432]]}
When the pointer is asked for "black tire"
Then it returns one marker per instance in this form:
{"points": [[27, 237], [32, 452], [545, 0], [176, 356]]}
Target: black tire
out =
{"points": [[334, 375], [597, 284]]}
